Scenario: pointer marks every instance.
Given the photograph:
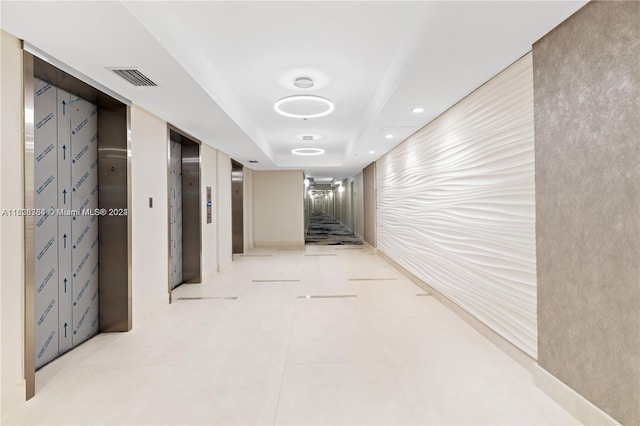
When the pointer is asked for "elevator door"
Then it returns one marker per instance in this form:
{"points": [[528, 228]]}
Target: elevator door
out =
{"points": [[66, 237], [237, 212], [175, 213]]}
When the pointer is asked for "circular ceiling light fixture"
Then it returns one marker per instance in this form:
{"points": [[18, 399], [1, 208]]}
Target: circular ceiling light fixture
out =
{"points": [[304, 106], [389, 136], [372, 152], [417, 110], [307, 151], [303, 82], [308, 137]]}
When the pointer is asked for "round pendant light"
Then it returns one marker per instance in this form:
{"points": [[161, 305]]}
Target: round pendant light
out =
{"points": [[307, 151], [304, 106]]}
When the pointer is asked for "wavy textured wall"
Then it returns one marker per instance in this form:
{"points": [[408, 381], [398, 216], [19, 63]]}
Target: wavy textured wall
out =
{"points": [[456, 205]]}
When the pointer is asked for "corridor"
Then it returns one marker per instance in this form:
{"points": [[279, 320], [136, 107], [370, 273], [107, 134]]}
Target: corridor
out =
{"points": [[317, 335], [324, 229]]}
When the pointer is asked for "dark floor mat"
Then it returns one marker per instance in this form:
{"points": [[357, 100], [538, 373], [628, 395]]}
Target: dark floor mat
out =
{"points": [[325, 230]]}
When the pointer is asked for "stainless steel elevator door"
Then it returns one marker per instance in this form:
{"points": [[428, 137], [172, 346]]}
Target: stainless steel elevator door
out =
{"points": [[66, 237], [237, 207], [175, 212], [185, 205], [191, 212]]}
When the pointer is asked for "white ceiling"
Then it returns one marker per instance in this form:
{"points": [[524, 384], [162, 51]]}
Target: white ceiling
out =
{"points": [[221, 66]]}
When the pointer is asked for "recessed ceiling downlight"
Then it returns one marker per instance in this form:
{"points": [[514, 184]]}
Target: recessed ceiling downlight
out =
{"points": [[307, 151], [304, 106]]}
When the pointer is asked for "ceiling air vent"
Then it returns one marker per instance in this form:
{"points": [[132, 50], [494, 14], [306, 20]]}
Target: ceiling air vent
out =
{"points": [[134, 76]]}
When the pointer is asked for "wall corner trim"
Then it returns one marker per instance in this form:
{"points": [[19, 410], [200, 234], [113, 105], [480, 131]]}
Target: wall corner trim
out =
{"points": [[371, 249], [580, 407], [224, 263]]}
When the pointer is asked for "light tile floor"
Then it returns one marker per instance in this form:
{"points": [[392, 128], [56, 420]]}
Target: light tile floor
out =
{"points": [[386, 356]]}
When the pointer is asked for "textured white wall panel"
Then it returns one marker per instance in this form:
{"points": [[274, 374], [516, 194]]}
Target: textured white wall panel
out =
{"points": [[456, 205]]}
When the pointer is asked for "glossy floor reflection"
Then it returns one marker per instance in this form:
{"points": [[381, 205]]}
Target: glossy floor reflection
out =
{"points": [[385, 356]]}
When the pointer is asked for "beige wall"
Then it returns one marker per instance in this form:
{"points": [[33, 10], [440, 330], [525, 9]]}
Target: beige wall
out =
{"points": [[587, 113], [369, 203], [208, 177], [358, 205], [223, 208], [306, 200], [247, 208], [149, 229], [11, 227], [278, 207], [344, 203], [340, 202], [350, 204]]}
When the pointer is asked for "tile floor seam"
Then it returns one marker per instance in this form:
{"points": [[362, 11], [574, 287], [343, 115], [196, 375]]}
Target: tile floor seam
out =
{"points": [[284, 368], [337, 363]]}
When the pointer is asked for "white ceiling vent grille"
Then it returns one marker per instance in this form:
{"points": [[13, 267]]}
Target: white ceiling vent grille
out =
{"points": [[134, 76]]}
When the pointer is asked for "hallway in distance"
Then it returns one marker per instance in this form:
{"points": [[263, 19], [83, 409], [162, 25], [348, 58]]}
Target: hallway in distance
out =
{"points": [[324, 229]]}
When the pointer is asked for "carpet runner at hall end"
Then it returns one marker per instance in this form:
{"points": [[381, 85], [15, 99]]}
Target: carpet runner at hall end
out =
{"points": [[325, 230]]}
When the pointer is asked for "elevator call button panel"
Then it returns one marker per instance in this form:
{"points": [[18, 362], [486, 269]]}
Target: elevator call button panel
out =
{"points": [[209, 204]]}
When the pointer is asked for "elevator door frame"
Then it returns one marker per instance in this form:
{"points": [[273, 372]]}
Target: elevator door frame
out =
{"points": [[114, 231], [191, 207]]}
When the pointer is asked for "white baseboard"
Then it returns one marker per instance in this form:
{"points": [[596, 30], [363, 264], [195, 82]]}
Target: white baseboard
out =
{"points": [[576, 404], [369, 247]]}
